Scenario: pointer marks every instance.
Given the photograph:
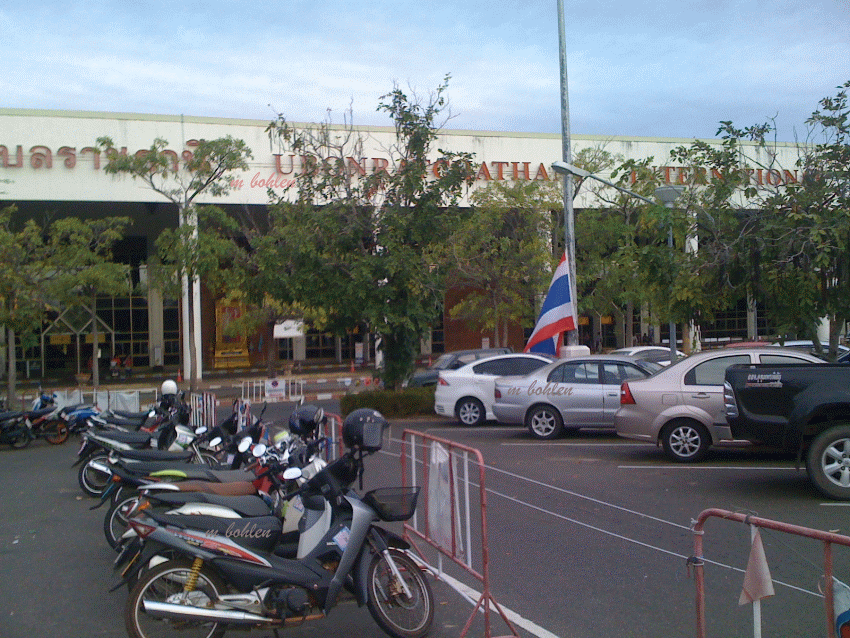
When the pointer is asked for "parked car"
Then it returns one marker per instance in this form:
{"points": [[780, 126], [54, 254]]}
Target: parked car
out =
{"points": [[658, 354], [809, 346], [579, 392], [682, 408], [468, 391], [803, 410], [451, 361]]}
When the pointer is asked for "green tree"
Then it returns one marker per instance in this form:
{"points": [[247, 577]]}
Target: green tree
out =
{"points": [[362, 249], [80, 260], [207, 170], [499, 255], [803, 230], [23, 275]]}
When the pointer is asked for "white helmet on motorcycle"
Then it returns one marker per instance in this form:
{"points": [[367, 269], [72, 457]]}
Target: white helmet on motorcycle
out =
{"points": [[168, 387]]}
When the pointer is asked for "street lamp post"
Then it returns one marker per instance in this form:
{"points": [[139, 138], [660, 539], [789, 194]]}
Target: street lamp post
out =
{"points": [[668, 195]]}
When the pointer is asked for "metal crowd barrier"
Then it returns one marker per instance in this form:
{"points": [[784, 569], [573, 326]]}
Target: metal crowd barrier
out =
{"points": [[203, 409], [454, 524], [827, 538], [272, 390]]}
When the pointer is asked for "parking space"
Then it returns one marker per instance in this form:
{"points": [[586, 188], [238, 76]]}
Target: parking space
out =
{"points": [[589, 535]]}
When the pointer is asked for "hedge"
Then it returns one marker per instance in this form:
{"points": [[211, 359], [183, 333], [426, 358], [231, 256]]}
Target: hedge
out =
{"points": [[392, 403]]}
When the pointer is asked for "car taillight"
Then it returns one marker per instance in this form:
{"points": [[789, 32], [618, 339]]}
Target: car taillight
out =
{"points": [[497, 394], [442, 381], [626, 397]]}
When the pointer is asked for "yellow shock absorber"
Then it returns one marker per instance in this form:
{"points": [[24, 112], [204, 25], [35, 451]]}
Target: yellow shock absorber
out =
{"points": [[193, 575]]}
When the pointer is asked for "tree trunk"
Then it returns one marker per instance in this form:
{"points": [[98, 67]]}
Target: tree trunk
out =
{"points": [[11, 389], [270, 368], [193, 353], [95, 357]]}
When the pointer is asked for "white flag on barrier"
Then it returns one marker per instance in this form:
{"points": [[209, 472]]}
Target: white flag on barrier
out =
{"points": [[758, 583], [440, 501]]}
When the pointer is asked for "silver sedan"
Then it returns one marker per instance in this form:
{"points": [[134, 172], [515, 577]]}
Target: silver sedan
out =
{"points": [[580, 392], [682, 407]]}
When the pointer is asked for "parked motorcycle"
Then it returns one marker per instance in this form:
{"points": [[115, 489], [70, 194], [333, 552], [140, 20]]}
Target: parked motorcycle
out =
{"points": [[174, 442], [295, 447], [51, 424], [226, 577], [14, 430]]}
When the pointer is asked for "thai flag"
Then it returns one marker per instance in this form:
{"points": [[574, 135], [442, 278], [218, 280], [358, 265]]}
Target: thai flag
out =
{"points": [[557, 315]]}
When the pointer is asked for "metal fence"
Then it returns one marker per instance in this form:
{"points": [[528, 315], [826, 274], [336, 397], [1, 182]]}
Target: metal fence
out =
{"points": [[697, 561], [454, 525]]}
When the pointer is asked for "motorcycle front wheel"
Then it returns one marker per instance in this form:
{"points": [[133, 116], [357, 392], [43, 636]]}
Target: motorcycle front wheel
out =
{"points": [[93, 481], [396, 613], [115, 522], [164, 584]]}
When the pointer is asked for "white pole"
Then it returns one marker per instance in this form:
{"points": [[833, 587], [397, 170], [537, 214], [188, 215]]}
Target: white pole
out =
{"points": [[757, 602], [569, 216]]}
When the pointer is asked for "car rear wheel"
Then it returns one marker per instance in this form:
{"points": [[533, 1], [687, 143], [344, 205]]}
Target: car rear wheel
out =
{"points": [[470, 411], [685, 441], [828, 462], [544, 422]]}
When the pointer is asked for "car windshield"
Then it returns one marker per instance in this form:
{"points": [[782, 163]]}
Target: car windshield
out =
{"points": [[442, 362], [650, 366]]}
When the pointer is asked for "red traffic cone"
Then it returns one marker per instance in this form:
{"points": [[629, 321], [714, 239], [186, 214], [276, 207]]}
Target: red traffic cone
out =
{"points": [[352, 366], [179, 375]]}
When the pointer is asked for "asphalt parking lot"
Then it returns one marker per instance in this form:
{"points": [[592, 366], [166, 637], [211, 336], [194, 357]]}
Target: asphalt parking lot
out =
{"points": [[588, 535]]}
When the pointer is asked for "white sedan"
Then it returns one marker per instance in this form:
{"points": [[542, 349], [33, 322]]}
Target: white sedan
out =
{"points": [[467, 393]]}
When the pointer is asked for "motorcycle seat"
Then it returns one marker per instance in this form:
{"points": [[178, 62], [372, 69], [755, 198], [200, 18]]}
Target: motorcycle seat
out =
{"points": [[249, 506], [157, 455], [8, 416], [35, 414], [130, 438], [134, 424], [228, 476], [238, 488], [133, 416]]}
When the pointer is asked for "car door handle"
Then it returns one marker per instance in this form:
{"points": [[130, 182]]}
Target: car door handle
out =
{"points": [[701, 395]]}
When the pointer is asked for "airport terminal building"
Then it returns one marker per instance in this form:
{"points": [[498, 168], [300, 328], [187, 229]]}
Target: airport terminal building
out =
{"points": [[49, 164]]}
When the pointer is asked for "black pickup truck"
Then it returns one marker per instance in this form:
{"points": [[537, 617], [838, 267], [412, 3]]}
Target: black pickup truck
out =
{"points": [[800, 408]]}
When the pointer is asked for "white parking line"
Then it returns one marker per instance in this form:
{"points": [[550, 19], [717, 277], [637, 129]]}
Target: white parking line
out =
{"points": [[702, 467], [576, 444]]}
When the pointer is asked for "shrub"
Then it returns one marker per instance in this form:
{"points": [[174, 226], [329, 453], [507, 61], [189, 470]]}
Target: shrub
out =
{"points": [[401, 403]]}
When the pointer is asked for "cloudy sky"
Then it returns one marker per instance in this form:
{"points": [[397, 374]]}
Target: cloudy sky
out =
{"points": [[660, 69]]}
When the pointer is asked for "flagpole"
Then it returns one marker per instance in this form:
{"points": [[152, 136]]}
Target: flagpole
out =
{"points": [[569, 215]]}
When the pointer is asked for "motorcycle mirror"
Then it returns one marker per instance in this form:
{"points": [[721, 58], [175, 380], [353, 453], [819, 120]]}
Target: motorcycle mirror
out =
{"points": [[259, 450], [292, 473], [151, 414], [201, 430], [215, 442], [244, 444]]}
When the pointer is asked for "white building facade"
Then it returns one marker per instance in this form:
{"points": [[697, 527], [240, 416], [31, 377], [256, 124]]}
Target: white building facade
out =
{"points": [[49, 162]]}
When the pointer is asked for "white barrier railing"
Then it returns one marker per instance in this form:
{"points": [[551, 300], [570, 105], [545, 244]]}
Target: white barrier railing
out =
{"points": [[127, 400], [272, 390], [203, 409]]}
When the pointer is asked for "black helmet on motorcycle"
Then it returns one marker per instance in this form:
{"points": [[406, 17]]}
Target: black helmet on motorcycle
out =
{"points": [[364, 429], [305, 419]]}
